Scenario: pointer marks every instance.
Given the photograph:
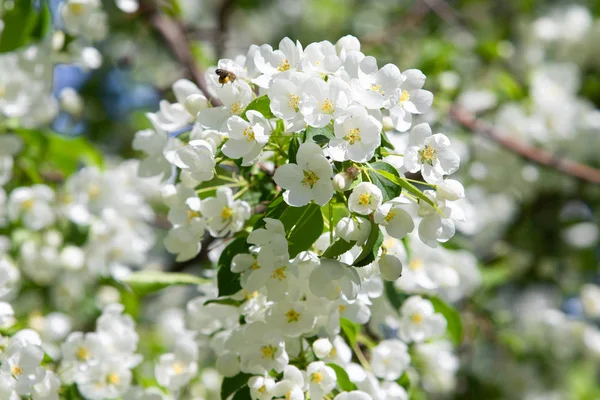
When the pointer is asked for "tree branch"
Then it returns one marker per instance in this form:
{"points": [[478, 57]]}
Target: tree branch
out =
{"points": [[173, 34], [530, 153]]}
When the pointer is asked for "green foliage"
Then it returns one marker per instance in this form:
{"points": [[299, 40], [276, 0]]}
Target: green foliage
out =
{"points": [[231, 385], [303, 225], [228, 282], [320, 136], [343, 381], [393, 295], [261, 104], [294, 146], [350, 330], [452, 316], [385, 177], [371, 247], [145, 282], [23, 24], [338, 248]]}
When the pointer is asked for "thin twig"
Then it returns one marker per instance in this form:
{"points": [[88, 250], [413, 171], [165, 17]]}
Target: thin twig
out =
{"points": [[222, 26], [173, 34], [530, 153]]}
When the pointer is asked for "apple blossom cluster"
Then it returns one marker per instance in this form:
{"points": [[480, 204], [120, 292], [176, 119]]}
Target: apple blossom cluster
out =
{"points": [[290, 171]]}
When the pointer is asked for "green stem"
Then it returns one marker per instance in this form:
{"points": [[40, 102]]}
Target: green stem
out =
{"points": [[330, 222]]}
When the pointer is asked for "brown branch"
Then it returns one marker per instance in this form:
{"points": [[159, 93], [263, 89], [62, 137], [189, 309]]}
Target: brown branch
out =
{"points": [[530, 153], [173, 34]]}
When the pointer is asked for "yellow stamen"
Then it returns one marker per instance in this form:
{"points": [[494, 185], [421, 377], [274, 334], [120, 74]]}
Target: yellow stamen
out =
{"points": [[415, 264], [404, 96], [327, 107], [236, 108], [310, 179], [178, 368], [428, 155], [227, 213], [364, 199], [417, 318], [76, 8], [268, 352], [292, 315], [293, 102], [279, 274], [16, 370], [249, 133], [283, 65], [353, 135], [377, 88], [94, 191], [113, 379], [83, 353], [191, 214], [316, 377], [255, 266], [28, 204], [390, 215]]}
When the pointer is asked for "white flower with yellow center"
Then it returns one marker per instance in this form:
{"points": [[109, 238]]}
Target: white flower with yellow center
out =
{"points": [[175, 370], [357, 136], [292, 319], [273, 62], [390, 359], [430, 154], [185, 240], [321, 379], [292, 385], [105, 380], [365, 198], [437, 225], [419, 321], [322, 101], [590, 300], [375, 87], [85, 18], [333, 279], [223, 214], [309, 179], [274, 274], [409, 99], [261, 387], [196, 161], [33, 205], [247, 138], [261, 349], [321, 59], [394, 216], [21, 362], [235, 97], [183, 202], [284, 93]]}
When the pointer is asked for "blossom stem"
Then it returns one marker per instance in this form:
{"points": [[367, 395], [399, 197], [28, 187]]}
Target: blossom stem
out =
{"points": [[208, 189], [421, 182], [361, 357], [331, 222]]}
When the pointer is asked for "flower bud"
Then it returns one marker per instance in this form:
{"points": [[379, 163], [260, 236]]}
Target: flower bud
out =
{"points": [[390, 267], [194, 103], [451, 190], [348, 43], [322, 347], [342, 181], [71, 102]]}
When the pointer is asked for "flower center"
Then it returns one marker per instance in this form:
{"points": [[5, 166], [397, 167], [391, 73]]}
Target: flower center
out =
{"points": [[364, 199], [236, 107], [390, 215], [249, 296], [76, 8], [262, 389], [377, 88], [268, 352], [353, 135], [227, 213], [292, 315], [16, 370], [178, 368], [249, 133], [316, 377], [283, 65], [404, 96], [113, 379], [310, 179], [327, 107], [83, 353], [93, 191], [191, 214], [28, 204], [415, 264], [255, 266], [428, 155], [293, 102], [417, 318], [279, 274]]}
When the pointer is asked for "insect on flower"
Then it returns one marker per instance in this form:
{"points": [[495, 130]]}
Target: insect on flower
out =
{"points": [[225, 76]]}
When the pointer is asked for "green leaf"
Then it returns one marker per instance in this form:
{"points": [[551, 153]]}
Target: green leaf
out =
{"points": [[394, 297], [224, 301], [303, 225], [350, 329], [23, 24], [343, 380], [370, 248], [406, 185], [452, 317], [242, 394], [318, 135], [338, 247], [144, 282], [404, 381], [227, 281], [261, 104], [385, 141], [385, 177], [67, 154], [294, 146], [231, 385]]}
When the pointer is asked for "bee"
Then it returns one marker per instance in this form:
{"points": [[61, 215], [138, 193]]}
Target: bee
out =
{"points": [[225, 76]]}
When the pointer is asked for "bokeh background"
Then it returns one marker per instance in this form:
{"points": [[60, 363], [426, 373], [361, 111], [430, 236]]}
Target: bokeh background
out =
{"points": [[529, 70]]}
